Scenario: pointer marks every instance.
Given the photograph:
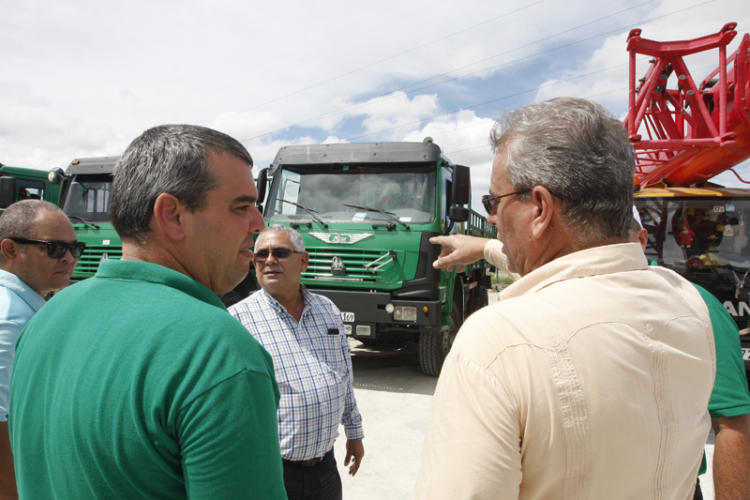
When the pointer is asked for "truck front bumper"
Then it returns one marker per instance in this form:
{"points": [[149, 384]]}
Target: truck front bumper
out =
{"points": [[373, 308]]}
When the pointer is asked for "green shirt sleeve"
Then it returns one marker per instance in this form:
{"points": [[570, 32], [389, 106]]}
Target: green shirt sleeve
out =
{"points": [[229, 440], [730, 396]]}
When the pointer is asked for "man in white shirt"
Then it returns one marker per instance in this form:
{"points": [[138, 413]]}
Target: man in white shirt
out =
{"points": [[591, 376]]}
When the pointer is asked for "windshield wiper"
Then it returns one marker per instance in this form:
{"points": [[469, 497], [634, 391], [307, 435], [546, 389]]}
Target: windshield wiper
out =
{"points": [[309, 211], [81, 219], [389, 215]]}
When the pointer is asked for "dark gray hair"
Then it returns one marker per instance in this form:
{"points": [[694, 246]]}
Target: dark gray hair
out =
{"points": [[294, 237], [18, 220], [165, 159], [580, 153]]}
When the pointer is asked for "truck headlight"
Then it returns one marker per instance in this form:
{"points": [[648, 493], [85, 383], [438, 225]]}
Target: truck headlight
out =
{"points": [[363, 330], [405, 313]]}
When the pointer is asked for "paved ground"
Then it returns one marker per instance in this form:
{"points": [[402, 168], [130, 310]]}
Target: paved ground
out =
{"points": [[395, 398]]}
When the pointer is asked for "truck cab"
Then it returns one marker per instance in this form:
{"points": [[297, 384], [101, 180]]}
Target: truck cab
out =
{"points": [[85, 199], [366, 212]]}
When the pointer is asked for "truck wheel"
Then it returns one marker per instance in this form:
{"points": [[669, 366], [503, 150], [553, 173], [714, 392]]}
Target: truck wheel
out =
{"points": [[435, 345]]}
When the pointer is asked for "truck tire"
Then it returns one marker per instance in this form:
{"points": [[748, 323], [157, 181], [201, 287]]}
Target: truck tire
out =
{"points": [[435, 345]]}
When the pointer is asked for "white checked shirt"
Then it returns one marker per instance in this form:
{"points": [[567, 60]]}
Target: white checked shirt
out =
{"points": [[313, 371]]}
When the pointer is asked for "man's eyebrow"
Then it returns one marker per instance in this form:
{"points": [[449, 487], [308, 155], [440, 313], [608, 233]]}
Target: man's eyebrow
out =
{"points": [[246, 198]]}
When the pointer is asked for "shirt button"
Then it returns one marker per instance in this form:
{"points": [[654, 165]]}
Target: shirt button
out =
{"points": [[649, 327], [555, 342]]}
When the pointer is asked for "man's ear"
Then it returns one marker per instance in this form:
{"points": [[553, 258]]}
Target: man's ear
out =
{"points": [[169, 216], [305, 260], [9, 248], [546, 211]]}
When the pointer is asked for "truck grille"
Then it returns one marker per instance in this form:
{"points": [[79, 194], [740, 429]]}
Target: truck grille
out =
{"points": [[319, 267], [92, 255]]}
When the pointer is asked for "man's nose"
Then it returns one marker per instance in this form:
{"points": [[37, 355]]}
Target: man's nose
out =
{"points": [[256, 222], [492, 218]]}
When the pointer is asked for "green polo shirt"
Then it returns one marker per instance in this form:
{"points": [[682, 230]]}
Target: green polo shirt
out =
{"points": [[730, 396], [137, 383]]}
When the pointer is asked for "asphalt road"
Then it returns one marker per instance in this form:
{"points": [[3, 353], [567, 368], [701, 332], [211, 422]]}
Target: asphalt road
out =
{"points": [[394, 398]]}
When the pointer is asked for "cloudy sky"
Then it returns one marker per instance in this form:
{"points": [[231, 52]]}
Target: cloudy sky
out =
{"points": [[83, 78]]}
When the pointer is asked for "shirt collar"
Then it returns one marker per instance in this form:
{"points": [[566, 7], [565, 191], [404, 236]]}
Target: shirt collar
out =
{"points": [[154, 273], [16, 284], [277, 305], [605, 259]]}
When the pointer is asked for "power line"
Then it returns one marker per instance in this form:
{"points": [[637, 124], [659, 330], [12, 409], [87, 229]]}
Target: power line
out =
{"points": [[527, 91], [394, 56], [473, 107], [507, 63]]}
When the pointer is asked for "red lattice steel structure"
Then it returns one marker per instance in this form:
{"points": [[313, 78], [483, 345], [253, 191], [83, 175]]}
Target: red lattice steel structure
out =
{"points": [[694, 131]]}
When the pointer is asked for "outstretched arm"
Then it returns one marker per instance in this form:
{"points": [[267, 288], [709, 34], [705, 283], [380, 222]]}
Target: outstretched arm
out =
{"points": [[458, 250]]}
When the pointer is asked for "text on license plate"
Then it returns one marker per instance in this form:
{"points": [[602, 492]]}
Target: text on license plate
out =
{"points": [[347, 317], [746, 353]]}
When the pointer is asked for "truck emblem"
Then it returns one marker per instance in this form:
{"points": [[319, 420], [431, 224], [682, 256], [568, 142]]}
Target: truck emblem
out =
{"points": [[337, 265], [340, 238]]}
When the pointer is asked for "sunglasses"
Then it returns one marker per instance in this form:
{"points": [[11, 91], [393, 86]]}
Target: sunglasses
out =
{"points": [[56, 249], [490, 202], [279, 253]]}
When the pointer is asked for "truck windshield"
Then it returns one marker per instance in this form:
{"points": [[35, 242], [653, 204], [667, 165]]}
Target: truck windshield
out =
{"points": [[88, 198], [406, 191]]}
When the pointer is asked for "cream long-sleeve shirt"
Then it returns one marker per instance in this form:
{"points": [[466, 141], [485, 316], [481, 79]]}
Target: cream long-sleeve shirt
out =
{"points": [[589, 379]]}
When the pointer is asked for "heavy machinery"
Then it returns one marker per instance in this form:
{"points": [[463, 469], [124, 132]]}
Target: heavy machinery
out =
{"points": [[685, 132]]}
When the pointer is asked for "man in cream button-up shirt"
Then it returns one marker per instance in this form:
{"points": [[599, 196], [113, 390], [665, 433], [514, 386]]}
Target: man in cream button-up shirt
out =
{"points": [[591, 376]]}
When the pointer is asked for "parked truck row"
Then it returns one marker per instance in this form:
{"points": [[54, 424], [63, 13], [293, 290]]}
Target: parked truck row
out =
{"points": [[366, 213]]}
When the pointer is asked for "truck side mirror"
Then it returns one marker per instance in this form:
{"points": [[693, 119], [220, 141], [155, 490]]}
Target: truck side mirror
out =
{"points": [[458, 214], [261, 185], [7, 190], [461, 194]]}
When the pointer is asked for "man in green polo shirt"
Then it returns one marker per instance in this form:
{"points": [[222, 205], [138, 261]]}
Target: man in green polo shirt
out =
{"points": [[137, 383]]}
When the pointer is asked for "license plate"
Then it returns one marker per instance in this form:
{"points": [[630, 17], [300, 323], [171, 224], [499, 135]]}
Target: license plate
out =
{"points": [[746, 353], [347, 317]]}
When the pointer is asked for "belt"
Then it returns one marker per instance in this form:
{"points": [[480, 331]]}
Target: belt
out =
{"points": [[312, 462]]}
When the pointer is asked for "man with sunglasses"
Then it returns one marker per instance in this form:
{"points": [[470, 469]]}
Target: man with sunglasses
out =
{"points": [[136, 382], [590, 377], [38, 251], [305, 336]]}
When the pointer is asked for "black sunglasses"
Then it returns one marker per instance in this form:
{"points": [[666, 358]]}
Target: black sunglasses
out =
{"points": [[490, 202], [278, 253], [56, 249]]}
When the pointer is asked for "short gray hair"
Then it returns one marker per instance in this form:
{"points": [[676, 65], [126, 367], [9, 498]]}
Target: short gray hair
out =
{"points": [[580, 153], [166, 159], [19, 218], [294, 237]]}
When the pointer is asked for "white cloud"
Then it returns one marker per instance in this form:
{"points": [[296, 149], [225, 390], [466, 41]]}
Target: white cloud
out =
{"points": [[604, 75], [464, 138], [246, 126], [84, 78], [384, 115]]}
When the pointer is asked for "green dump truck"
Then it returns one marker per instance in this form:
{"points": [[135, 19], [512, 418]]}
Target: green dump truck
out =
{"points": [[366, 213], [82, 189], [18, 183], [87, 187]]}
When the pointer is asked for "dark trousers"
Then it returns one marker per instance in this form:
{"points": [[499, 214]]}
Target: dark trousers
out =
{"points": [[698, 495], [319, 482]]}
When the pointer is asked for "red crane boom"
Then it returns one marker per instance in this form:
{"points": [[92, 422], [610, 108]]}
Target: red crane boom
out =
{"points": [[694, 131]]}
